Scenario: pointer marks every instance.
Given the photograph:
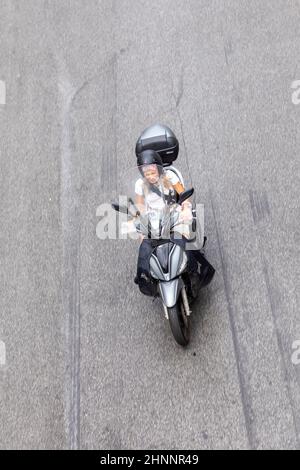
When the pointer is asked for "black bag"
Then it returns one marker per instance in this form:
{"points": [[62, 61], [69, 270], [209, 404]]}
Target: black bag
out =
{"points": [[161, 139]]}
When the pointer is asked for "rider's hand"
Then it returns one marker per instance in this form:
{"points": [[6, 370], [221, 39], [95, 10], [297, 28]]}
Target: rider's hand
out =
{"points": [[186, 214]]}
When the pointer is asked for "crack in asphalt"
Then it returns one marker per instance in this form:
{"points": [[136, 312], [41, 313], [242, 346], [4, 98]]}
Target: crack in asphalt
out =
{"points": [[245, 397], [71, 239], [177, 100], [70, 222], [284, 367]]}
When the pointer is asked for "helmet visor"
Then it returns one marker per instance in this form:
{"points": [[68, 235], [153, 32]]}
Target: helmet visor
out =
{"points": [[151, 173]]}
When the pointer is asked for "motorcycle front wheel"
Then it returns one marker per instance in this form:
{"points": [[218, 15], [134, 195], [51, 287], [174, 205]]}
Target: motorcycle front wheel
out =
{"points": [[179, 323]]}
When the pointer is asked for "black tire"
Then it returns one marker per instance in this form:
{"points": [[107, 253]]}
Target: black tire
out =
{"points": [[180, 326]]}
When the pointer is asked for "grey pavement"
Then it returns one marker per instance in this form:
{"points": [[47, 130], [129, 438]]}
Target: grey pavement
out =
{"points": [[91, 363]]}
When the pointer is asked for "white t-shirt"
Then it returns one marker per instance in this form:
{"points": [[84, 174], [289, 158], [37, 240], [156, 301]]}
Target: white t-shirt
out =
{"points": [[153, 200]]}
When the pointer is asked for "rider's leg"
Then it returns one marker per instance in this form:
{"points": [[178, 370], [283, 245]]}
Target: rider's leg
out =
{"points": [[143, 266], [146, 285], [207, 271], [192, 259]]}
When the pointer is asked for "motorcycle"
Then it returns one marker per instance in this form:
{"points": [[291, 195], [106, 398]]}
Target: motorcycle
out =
{"points": [[174, 283]]}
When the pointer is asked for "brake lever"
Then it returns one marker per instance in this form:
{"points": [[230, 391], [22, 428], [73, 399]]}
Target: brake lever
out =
{"points": [[137, 212]]}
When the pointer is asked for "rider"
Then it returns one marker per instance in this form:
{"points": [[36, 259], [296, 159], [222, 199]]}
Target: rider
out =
{"points": [[155, 185]]}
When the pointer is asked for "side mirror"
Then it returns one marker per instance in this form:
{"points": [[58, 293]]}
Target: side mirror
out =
{"points": [[185, 195], [119, 208]]}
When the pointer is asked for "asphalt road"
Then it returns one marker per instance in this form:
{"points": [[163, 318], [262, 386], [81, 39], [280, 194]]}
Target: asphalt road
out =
{"points": [[90, 363]]}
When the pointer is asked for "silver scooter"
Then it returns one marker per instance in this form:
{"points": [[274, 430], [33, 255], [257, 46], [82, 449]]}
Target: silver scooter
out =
{"points": [[171, 278]]}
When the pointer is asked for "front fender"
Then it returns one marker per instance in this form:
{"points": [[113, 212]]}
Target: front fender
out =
{"points": [[170, 291]]}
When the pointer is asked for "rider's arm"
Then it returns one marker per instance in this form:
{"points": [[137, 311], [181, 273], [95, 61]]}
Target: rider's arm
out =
{"points": [[186, 205], [179, 188], [140, 203], [139, 196]]}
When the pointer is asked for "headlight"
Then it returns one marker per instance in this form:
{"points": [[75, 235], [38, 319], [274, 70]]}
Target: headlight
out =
{"points": [[155, 276], [155, 269], [183, 264], [177, 264]]}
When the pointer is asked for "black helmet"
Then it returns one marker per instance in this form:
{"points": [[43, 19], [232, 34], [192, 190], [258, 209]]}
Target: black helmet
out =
{"points": [[150, 157]]}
